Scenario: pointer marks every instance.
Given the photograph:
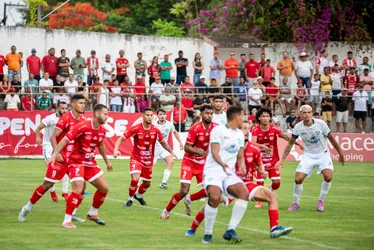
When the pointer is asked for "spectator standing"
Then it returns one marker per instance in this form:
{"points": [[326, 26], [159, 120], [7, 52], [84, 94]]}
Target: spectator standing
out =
{"points": [[285, 67], [13, 60], [314, 92], [349, 63], [63, 63], [92, 67], [326, 107], [187, 86], [71, 85], [31, 84], [242, 63], [251, 69], [232, 66], [337, 82], [2, 64], [44, 102], [201, 86], [33, 65], [342, 101], [304, 70], [142, 103], [180, 116], [154, 70], [50, 64], [166, 68], [129, 99], [322, 62], [215, 68], [139, 87], [364, 65], [198, 66], [367, 82], [27, 101], [140, 67], [262, 61], [167, 101], [122, 64], [326, 81], [267, 72], [16, 84], [181, 64], [291, 121], [335, 60], [272, 91], [351, 81], [285, 94], [12, 102], [254, 97], [107, 67], [116, 97], [78, 64], [360, 98], [240, 91], [156, 90]]}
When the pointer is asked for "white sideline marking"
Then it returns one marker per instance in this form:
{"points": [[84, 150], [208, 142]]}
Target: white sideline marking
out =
{"points": [[245, 228]]}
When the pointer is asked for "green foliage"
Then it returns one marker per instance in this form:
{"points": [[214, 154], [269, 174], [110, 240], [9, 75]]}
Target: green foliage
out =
{"points": [[179, 9], [33, 9], [165, 28]]}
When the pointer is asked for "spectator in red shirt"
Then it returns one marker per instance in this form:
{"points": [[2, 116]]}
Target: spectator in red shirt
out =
{"points": [[300, 97], [231, 66], [5, 85], [267, 72], [251, 69], [95, 90], [2, 63], [49, 64], [187, 86], [139, 86], [349, 63], [187, 103], [179, 114], [27, 101], [154, 70], [262, 61], [33, 64], [272, 97], [252, 117], [122, 64]]}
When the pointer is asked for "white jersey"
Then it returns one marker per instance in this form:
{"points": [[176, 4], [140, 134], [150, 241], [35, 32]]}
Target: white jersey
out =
{"points": [[230, 142], [314, 137], [50, 124], [165, 129], [220, 119]]}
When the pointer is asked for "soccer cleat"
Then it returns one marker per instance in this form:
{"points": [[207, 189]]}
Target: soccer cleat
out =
{"points": [[320, 206], [54, 196], [294, 207], [259, 204], [141, 200], [230, 235], [128, 203], [280, 231], [164, 185], [65, 196], [68, 225], [22, 215], [76, 218], [190, 233], [207, 239], [96, 219], [187, 202], [165, 214]]}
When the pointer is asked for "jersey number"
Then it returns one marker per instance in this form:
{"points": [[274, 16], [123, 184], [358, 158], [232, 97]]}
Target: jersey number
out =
{"points": [[53, 174], [184, 174], [77, 171]]}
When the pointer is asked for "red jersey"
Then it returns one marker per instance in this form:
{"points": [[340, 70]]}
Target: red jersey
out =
{"points": [[187, 87], [50, 65], [347, 62], [139, 89], [27, 102], [268, 138], [121, 71], [252, 157], [2, 63], [153, 71], [300, 92], [92, 64], [34, 65], [179, 114], [144, 143], [351, 83], [272, 91], [267, 72], [187, 103], [96, 87], [65, 124], [252, 69], [199, 137]]}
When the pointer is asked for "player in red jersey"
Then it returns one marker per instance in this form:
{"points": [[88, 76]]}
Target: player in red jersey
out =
{"points": [[253, 162], [196, 150], [82, 166], [267, 134], [56, 171], [145, 135]]}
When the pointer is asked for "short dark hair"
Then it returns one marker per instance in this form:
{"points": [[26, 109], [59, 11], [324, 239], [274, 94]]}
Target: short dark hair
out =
{"points": [[242, 54], [63, 50], [99, 107], [251, 54], [161, 111], [349, 53], [272, 78], [233, 111], [60, 102], [205, 107], [262, 111], [106, 80], [217, 97], [323, 51], [146, 109], [366, 57], [140, 53], [77, 97], [268, 60]]}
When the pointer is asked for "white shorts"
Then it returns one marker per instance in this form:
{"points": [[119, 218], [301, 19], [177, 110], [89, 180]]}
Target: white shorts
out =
{"points": [[128, 109], [342, 116], [289, 100], [221, 181], [47, 152], [308, 163], [160, 154]]}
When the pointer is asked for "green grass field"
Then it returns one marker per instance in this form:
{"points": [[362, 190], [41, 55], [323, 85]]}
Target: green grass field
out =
{"points": [[346, 223]]}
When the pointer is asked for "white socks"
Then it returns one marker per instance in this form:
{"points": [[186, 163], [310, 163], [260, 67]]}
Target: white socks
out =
{"points": [[52, 189], [93, 211], [167, 173], [210, 218], [238, 212], [65, 183], [28, 206], [297, 189], [138, 195], [325, 187], [67, 218], [131, 198]]}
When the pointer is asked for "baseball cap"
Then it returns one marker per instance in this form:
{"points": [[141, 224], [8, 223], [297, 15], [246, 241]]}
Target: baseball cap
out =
{"points": [[33, 50], [202, 76], [157, 77]]}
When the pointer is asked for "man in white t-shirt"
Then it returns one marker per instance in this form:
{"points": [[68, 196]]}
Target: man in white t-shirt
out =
{"points": [[219, 116], [12, 102], [46, 84], [71, 85], [107, 67], [226, 149], [360, 98], [304, 70], [166, 128], [315, 135], [254, 97], [48, 125], [60, 96], [156, 90]]}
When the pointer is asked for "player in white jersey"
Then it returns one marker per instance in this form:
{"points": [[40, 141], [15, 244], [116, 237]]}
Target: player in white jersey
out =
{"points": [[219, 116], [226, 148], [48, 125], [166, 128], [314, 133]]}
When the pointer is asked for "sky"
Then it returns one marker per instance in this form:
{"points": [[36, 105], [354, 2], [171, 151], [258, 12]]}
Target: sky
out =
{"points": [[13, 16]]}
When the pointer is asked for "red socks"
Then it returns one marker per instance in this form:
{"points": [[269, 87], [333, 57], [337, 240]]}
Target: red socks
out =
{"points": [[275, 185], [173, 202], [198, 219], [198, 195], [133, 187], [274, 218], [72, 203], [143, 187], [38, 193], [98, 199], [260, 183]]}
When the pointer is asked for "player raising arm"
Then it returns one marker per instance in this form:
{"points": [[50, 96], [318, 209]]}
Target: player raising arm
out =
{"points": [[314, 133], [145, 136]]}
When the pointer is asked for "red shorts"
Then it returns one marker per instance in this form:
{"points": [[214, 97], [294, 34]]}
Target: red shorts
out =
{"points": [[55, 171], [78, 172], [190, 169], [145, 173], [273, 174]]}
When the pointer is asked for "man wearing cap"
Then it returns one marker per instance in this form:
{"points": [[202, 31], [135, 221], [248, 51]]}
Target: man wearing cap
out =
{"points": [[92, 66], [63, 65], [33, 64], [122, 65], [49, 64], [285, 68], [181, 64], [174, 89], [215, 66], [232, 66], [201, 86], [13, 60], [166, 67], [78, 64], [304, 70], [157, 89]]}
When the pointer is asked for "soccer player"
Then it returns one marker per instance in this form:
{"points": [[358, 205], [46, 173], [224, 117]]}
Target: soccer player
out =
{"points": [[145, 136], [56, 170], [196, 150], [49, 124], [226, 148], [82, 166], [314, 133], [160, 153], [267, 134], [253, 161], [219, 116]]}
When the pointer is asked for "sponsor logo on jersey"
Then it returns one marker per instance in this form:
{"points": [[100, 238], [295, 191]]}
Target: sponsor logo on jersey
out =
{"points": [[88, 137], [201, 138]]}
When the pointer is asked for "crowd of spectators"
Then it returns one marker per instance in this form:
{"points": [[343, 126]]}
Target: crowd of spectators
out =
{"points": [[332, 88]]}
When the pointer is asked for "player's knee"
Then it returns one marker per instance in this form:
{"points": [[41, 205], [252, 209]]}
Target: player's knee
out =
{"points": [[273, 198], [170, 161], [299, 180], [183, 192], [275, 185], [327, 178], [135, 177], [47, 185], [146, 184]]}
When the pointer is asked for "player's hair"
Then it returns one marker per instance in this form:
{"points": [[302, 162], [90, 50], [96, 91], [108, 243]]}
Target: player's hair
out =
{"points": [[161, 111], [233, 111], [245, 121], [146, 109], [60, 103], [272, 78], [217, 97], [99, 107], [262, 111], [77, 97], [205, 107]]}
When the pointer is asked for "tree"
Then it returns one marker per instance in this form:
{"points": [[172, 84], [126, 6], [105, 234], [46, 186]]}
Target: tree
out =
{"points": [[31, 14], [165, 28]]}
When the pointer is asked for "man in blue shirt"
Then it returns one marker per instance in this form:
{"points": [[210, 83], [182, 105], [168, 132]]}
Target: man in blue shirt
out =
{"points": [[215, 68], [240, 91]]}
